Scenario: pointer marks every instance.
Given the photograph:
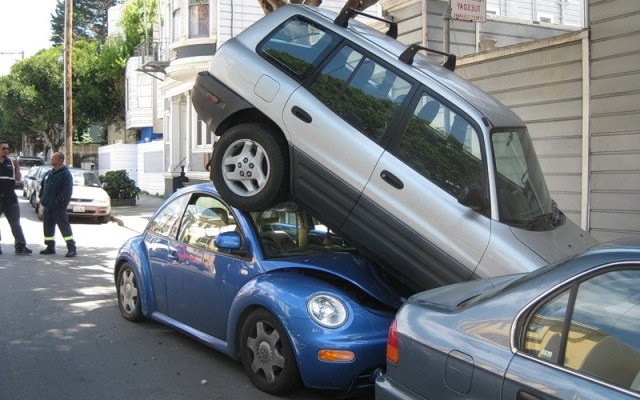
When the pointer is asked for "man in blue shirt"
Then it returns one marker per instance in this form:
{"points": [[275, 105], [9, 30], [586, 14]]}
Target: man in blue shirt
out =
{"points": [[9, 206], [55, 195]]}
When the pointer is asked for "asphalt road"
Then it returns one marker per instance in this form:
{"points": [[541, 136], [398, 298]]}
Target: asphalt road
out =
{"points": [[62, 336]]}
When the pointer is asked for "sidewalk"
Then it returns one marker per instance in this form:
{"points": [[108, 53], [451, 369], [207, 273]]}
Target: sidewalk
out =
{"points": [[136, 217]]}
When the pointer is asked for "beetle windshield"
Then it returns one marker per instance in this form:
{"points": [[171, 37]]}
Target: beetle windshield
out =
{"points": [[287, 230], [523, 197]]}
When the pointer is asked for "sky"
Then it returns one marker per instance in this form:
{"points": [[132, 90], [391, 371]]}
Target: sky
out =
{"points": [[25, 25]]}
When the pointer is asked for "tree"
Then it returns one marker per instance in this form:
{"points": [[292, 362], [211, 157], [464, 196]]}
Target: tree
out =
{"points": [[31, 97], [90, 20], [136, 22]]}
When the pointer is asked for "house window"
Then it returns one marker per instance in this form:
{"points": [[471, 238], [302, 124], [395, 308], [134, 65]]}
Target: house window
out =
{"points": [[546, 18], [176, 20], [198, 18], [204, 136]]}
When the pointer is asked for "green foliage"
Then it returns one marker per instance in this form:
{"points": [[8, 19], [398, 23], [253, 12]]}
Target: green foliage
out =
{"points": [[119, 186], [89, 20], [136, 21]]}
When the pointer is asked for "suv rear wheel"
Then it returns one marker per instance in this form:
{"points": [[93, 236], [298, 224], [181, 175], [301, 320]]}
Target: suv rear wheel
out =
{"points": [[250, 167]]}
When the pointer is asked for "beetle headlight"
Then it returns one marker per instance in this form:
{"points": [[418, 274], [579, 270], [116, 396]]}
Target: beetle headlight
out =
{"points": [[326, 310]]}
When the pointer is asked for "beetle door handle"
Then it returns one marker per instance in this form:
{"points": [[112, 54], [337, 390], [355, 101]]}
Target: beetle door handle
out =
{"points": [[391, 179], [302, 114]]}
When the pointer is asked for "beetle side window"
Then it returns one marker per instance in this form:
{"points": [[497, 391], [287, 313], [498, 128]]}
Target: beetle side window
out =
{"points": [[167, 220], [592, 327], [296, 46], [361, 91], [205, 218], [442, 146]]}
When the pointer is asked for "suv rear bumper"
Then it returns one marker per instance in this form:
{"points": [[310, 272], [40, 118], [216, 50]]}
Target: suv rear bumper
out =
{"points": [[214, 102]]}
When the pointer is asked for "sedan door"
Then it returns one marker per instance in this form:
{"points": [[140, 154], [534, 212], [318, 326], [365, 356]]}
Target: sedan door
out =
{"points": [[595, 355]]}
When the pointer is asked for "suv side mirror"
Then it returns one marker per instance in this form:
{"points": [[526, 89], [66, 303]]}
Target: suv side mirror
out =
{"points": [[473, 196]]}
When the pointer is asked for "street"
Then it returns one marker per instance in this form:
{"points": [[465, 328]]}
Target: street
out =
{"points": [[62, 336]]}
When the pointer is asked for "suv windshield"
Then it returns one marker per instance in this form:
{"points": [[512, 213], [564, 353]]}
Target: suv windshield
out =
{"points": [[523, 198]]}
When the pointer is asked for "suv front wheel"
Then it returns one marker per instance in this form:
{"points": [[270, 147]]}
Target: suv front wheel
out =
{"points": [[250, 167]]}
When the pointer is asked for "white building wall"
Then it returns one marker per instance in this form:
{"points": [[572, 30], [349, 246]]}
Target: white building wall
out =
{"points": [[117, 157], [139, 102], [150, 161], [615, 118]]}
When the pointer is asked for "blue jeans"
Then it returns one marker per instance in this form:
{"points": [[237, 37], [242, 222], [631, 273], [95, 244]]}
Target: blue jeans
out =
{"points": [[12, 212]]}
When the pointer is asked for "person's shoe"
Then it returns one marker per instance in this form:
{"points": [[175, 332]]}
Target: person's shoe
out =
{"points": [[71, 253], [23, 251], [48, 250]]}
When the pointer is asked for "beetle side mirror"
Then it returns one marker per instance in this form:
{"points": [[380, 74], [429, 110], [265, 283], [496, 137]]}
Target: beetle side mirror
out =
{"points": [[230, 242]]}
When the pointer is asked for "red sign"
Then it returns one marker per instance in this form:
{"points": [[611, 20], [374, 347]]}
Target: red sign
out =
{"points": [[469, 10]]}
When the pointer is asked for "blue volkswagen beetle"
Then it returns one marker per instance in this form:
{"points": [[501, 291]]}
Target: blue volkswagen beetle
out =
{"points": [[295, 305]]}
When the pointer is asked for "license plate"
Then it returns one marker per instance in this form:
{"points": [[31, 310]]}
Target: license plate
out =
{"points": [[78, 209]]}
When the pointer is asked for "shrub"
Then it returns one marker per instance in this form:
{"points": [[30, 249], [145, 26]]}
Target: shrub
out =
{"points": [[119, 186]]}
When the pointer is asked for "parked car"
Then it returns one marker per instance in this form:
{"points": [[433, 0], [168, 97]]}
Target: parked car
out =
{"points": [[32, 181], [401, 156], [26, 163], [88, 199], [291, 308], [567, 331]]}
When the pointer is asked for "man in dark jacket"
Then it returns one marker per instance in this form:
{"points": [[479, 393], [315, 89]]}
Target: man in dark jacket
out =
{"points": [[9, 206], [55, 195]]}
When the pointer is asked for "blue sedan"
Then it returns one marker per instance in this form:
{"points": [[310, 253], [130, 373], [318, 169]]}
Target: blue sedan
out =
{"points": [[567, 331], [292, 307]]}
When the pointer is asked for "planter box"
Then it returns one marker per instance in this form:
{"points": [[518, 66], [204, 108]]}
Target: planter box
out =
{"points": [[123, 202]]}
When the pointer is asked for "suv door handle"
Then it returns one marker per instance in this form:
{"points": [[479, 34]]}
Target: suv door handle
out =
{"points": [[391, 179], [302, 114]]}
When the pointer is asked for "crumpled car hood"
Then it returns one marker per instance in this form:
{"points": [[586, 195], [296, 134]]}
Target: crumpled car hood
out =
{"points": [[352, 267]]}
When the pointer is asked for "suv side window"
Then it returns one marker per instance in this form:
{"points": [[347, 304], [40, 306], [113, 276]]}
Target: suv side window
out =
{"points": [[592, 327], [442, 146], [361, 91], [297, 46]]}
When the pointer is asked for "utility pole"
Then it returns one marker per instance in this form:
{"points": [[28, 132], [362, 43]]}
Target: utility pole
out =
{"points": [[68, 85]]}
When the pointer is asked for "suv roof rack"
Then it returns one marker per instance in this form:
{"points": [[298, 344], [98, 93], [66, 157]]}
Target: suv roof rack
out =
{"points": [[343, 20], [408, 55]]}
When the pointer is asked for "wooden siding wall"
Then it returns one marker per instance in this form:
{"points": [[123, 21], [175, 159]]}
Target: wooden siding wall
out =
{"points": [[615, 118], [542, 83]]}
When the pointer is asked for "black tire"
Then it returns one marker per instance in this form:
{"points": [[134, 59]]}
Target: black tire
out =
{"points": [[128, 294], [104, 219], [32, 200], [267, 355], [250, 167]]}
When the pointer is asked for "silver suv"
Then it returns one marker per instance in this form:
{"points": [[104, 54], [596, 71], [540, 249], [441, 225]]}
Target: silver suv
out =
{"points": [[412, 163]]}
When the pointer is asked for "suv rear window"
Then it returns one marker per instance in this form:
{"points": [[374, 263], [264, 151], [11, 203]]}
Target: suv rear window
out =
{"points": [[297, 46]]}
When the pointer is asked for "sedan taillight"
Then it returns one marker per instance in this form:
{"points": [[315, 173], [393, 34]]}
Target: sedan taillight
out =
{"points": [[392, 343]]}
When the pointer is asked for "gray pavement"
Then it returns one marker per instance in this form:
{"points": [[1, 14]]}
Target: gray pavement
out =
{"points": [[136, 217]]}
